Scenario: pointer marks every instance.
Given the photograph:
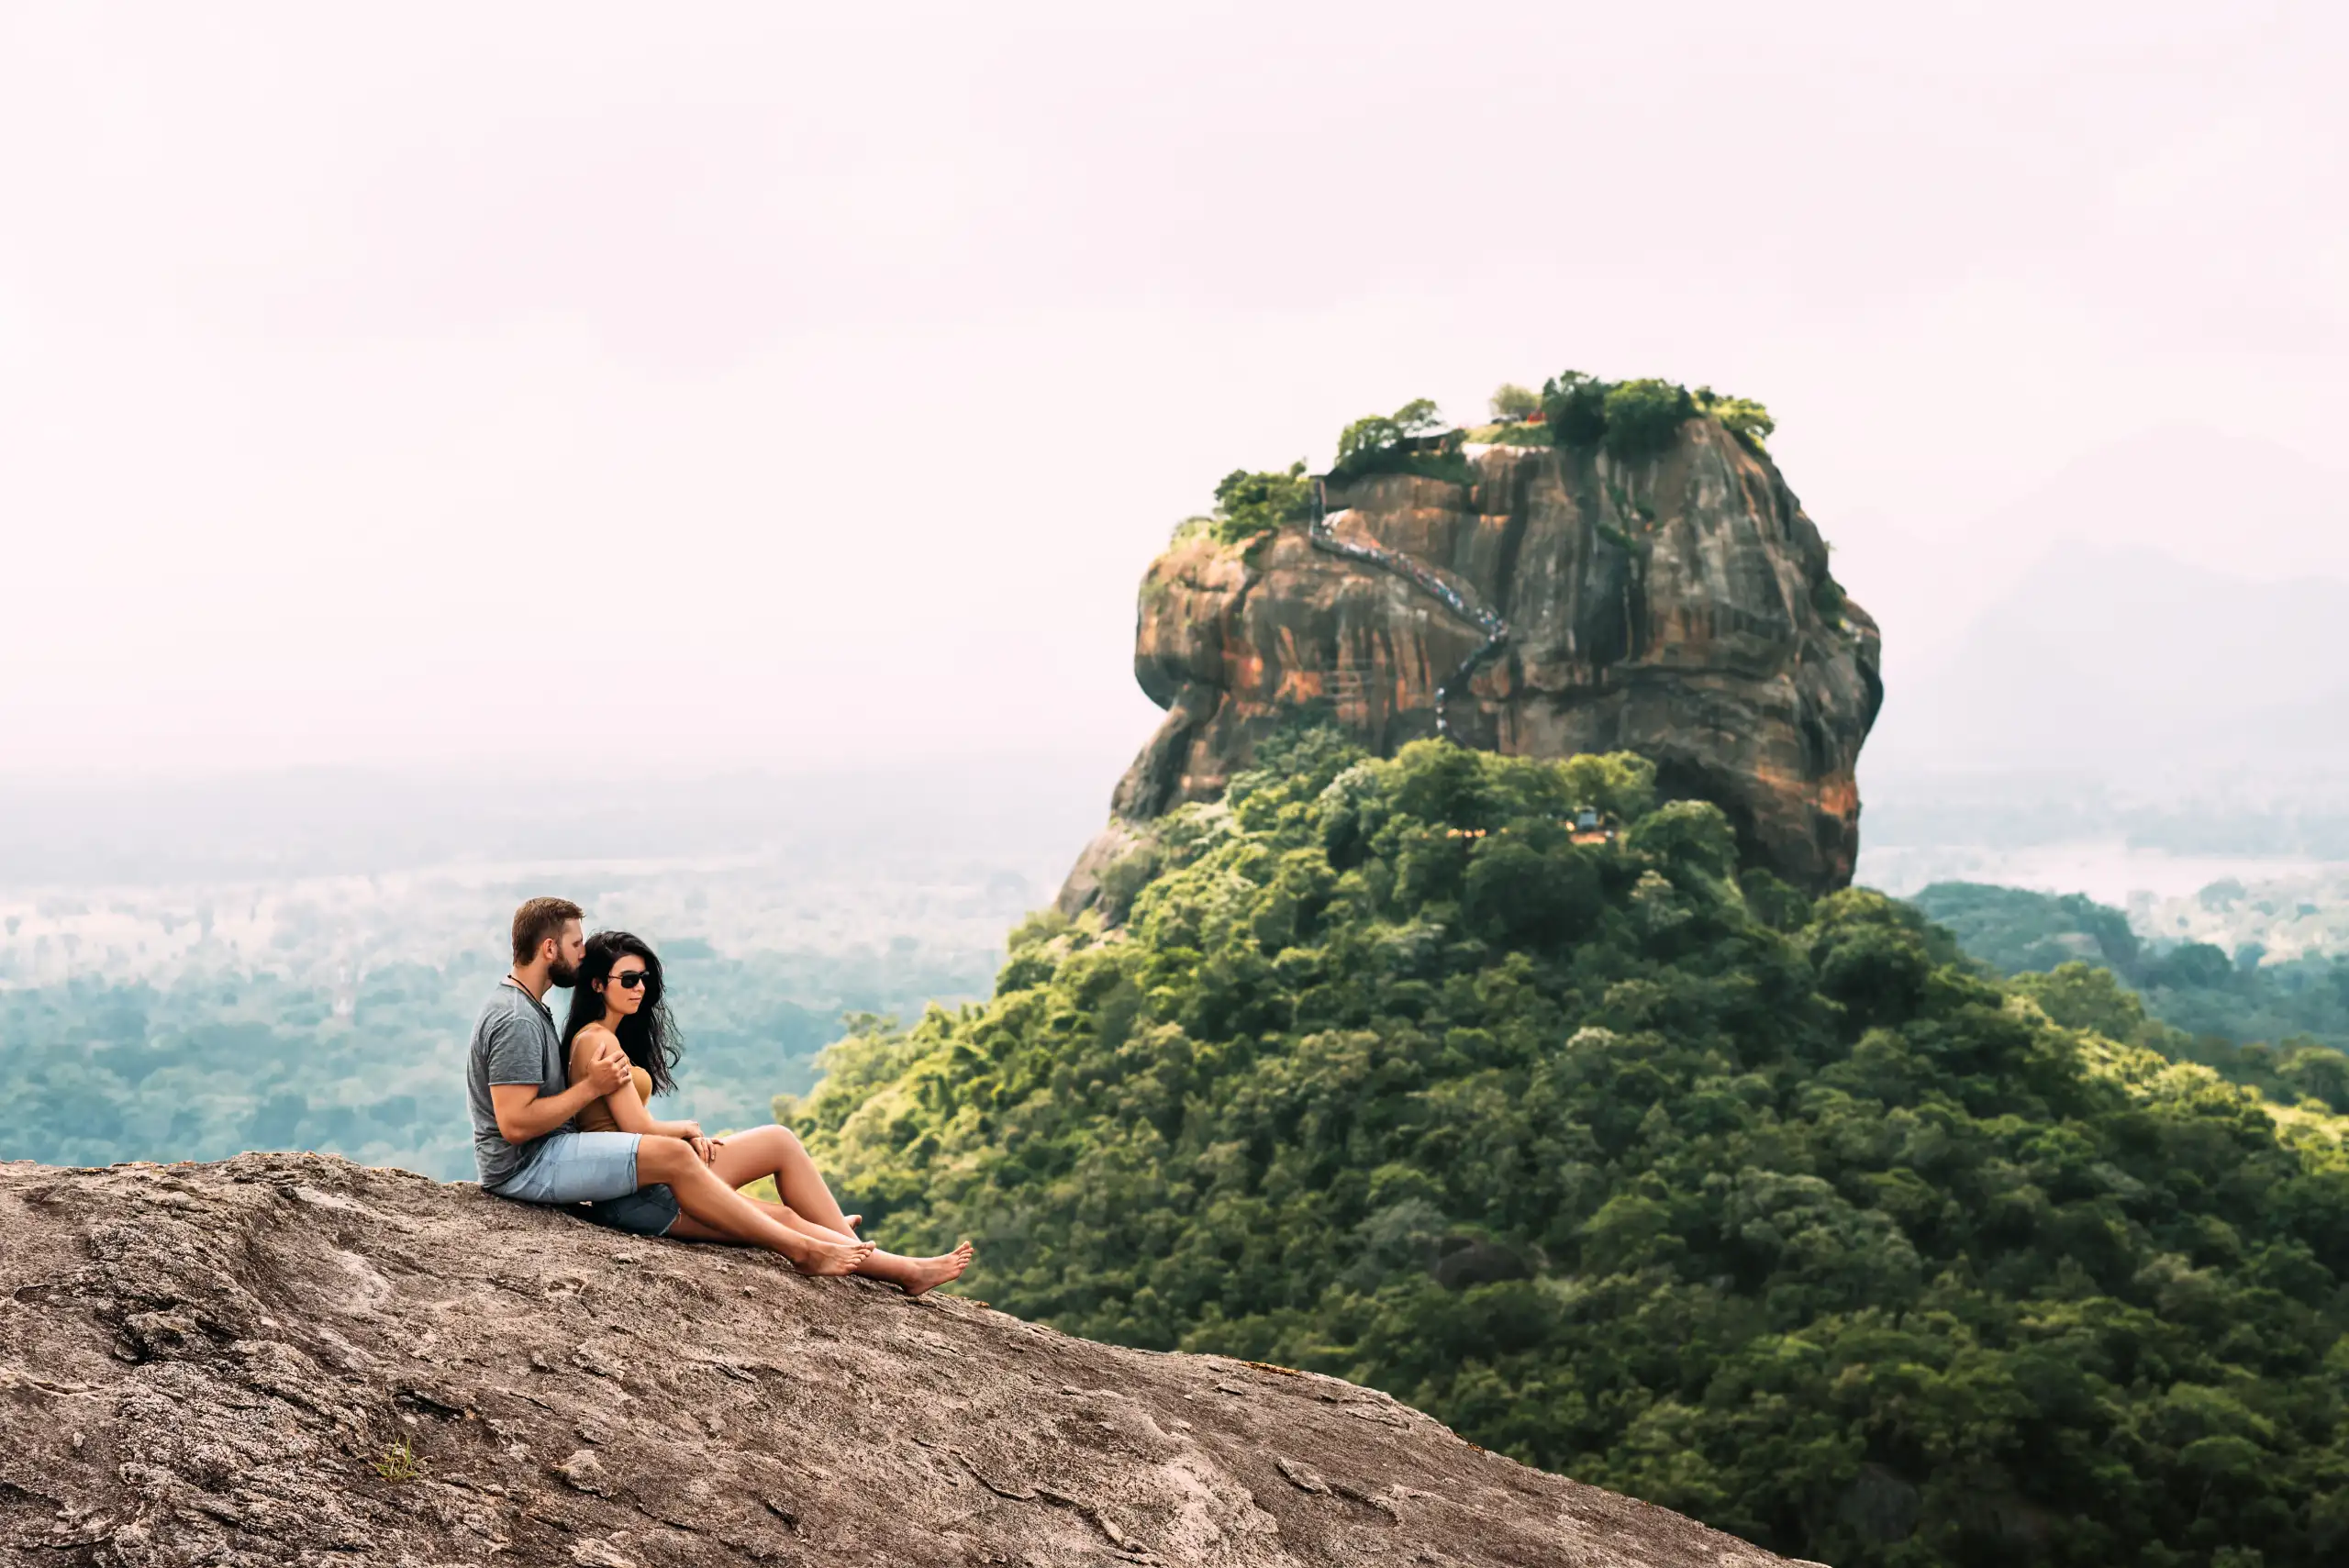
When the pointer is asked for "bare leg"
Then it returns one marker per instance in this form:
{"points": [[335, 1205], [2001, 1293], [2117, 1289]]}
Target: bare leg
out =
{"points": [[912, 1275], [776, 1151], [715, 1203], [688, 1229]]}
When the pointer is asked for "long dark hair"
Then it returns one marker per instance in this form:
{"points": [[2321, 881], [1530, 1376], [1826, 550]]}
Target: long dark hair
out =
{"points": [[649, 1035]]}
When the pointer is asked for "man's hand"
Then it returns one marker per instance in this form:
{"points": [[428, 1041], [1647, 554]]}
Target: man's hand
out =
{"points": [[608, 1073]]}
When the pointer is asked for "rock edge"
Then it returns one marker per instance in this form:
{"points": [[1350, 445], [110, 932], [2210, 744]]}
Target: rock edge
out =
{"points": [[291, 1358]]}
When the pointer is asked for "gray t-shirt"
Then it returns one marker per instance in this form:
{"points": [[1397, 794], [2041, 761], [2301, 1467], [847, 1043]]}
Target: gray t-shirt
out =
{"points": [[514, 1042]]}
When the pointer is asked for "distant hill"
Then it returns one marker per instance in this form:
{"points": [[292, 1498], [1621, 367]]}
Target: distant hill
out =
{"points": [[2221, 503], [2234, 506], [2014, 930], [2195, 987], [2121, 662], [2147, 646]]}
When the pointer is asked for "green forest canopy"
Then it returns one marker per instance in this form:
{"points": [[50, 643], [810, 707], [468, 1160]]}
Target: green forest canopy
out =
{"points": [[1630, 419], [1626, 1161], [2280, 1026]]}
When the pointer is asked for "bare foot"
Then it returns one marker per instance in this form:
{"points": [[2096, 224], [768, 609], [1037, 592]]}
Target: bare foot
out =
{"points": [[851, 1220], [824, 1257], [920, 1274]]}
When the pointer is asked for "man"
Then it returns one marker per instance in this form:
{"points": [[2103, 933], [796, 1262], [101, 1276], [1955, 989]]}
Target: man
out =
{"points": [[518, 1087]]}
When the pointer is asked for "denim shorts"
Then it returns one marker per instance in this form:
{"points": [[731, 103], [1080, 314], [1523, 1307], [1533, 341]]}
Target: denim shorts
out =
{"points": [[597, 1169], [647, 1211]]}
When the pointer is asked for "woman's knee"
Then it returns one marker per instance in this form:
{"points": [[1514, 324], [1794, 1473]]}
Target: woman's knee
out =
{"points": [[771, 1141]]}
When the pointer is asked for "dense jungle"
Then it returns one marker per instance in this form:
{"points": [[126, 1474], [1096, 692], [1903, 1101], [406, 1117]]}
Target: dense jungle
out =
{"points": [[1629, 1160]]}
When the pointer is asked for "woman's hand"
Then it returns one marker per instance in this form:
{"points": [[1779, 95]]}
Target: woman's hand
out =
{"points": [[690, 1132]]}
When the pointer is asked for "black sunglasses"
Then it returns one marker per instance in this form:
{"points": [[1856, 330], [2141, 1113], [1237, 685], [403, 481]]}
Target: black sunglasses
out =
{"points": [[630, 981]]}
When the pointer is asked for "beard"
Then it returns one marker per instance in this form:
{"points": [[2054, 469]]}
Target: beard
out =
{"points": [[561, 974]]}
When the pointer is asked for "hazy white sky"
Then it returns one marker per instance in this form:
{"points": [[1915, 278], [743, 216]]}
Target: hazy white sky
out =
{"points": [[459, 382]]}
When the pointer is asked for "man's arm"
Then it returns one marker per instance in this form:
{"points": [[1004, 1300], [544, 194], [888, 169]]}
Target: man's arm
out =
{"points": [[523, 1113]]}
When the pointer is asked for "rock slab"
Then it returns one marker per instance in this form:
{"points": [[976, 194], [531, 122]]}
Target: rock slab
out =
{"points": [[290, 1359], [1679, 605]]}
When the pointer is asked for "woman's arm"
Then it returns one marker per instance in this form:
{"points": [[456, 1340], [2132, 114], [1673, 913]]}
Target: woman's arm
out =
{"points": [[627, 1111]]}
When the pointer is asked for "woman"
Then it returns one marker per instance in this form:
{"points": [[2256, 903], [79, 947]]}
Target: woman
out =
{"points": [[618, 1000]]}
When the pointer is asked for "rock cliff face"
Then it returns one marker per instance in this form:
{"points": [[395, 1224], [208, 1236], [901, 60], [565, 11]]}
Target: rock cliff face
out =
{"points": [[1678, 605], [289, 1359]]}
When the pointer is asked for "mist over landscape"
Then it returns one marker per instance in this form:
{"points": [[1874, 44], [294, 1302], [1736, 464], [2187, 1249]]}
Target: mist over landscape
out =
{"points": [[294, 960]]}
